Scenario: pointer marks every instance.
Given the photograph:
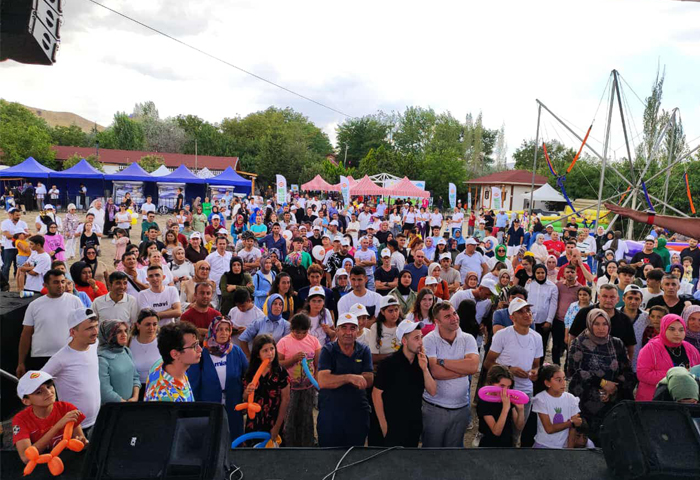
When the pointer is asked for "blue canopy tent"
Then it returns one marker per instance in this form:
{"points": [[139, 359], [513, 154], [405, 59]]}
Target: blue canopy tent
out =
{"points": [[229, 178], [132, 180], [191, 185], [29, 168], [68, 181]]}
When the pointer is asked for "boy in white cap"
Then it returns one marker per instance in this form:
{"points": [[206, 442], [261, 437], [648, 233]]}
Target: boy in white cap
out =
{"points": [[75, 367], [41, 424], [398, 388], [362, 316]]}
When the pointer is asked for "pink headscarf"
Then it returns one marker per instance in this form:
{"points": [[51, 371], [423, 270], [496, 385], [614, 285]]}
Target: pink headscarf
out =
{"points": [[665, 322]]}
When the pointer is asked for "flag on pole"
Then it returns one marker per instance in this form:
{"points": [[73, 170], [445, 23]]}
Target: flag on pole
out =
{"points": [[469, 200], [496, 198], [345, 189], [281, 189], [453, 195]]}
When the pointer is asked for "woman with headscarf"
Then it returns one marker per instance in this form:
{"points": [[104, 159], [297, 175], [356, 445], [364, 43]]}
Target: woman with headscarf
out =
{"points": [[70, 226], [667, 350], [53, 243], [441, 288], [282, 285], [552, 269], [119, 378], [691, 315], [201, 275], [403, 292], [81, 273], [100, 271], [500, 255], [543, 295], [452, 249], [663, 252], [461, 242], [598, 370], [218, 377], [263, 280], [231, 280], [111, 210], [538, 249], [181, 268], [237, 227]]}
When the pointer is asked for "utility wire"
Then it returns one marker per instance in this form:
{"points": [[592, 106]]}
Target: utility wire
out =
{"points": [[214, 57]]}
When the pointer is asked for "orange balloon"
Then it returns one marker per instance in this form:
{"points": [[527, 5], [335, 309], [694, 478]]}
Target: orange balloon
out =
{"points": [[45, 458], [59, 448], [29, 468], [68, 431], [75, 445], [32, 453], [241, 406], [56, 466]]}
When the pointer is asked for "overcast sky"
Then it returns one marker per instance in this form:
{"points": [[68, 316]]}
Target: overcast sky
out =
{"points": [[363, 56]]}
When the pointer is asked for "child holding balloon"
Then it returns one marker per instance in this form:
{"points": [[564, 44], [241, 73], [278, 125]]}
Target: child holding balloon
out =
{"points": [[498, 420], [41, 424], [293, 349], [272, 390], [557, 410]]}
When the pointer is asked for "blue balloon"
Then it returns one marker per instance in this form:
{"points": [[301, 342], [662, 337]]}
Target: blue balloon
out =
{"points": [[305, 366], [264, 436]]}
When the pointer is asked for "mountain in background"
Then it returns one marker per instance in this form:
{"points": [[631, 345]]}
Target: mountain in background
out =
{"points": [[64, 119]]}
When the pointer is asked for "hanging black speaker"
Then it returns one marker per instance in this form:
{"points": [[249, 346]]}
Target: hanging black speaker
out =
{"points": [[652, 440], [163, 440]]}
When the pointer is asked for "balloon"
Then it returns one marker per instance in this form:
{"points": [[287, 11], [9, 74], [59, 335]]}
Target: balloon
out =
{"points": [[287, 235], [32, 453], [59, 448], [68, 431], [274, 443], [56, 466], [318, 252], [264, 436], [45, 458], [305, 366], [29, 468], [250, 405], [492, 393], [75, 445]]}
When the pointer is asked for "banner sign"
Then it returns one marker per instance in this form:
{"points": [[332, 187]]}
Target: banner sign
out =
{"points": [[469, 200], [453, 195], [281, 189], [345, 189], [496, 198]]}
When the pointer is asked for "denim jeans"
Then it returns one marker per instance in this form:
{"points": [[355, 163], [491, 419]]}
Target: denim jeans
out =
{"points": [[9, 256]]}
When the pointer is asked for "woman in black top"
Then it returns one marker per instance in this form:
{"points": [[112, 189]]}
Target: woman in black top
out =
{"points": [[498, 419], [89, 238]]}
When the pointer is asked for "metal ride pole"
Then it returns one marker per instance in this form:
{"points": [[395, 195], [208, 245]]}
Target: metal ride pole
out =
{"points": [[605, 156], [673, 164], [616, 85], [668, 160], [534, 161]]}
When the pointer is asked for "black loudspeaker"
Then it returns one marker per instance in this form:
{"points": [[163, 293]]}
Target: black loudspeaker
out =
{"points": [[31, 30], [654, 440], [163, 440]]}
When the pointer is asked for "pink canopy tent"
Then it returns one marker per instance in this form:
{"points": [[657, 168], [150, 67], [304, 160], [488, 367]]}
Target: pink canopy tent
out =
{"points": [[406, 188], [318, 184], [367, 187]]}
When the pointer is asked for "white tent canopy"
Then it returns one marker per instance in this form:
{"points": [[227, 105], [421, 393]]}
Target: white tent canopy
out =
{"points": [[546, 193], [161, 171], [205, 173]]}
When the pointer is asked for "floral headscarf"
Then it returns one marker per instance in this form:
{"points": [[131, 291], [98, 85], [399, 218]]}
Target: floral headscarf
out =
{"points": [[107, 336], [219, 349]]}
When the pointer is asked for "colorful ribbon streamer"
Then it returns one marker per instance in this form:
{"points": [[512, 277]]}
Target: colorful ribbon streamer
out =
{"points": [[687, 189], [549, 162], [580, 149], [646, 195]]}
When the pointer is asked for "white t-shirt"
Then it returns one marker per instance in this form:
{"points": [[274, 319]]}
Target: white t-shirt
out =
{"points": [[365, 256], [145, 355], [99, 222], [559, 409], [77, 378], [436, 219], [145, 208], [123, 220], [142, 275], [646, 296], [12, 228], [371, 301], [248, 257], [42, 264], [517, 350], [244, 319], [220, 367], [49, 317], [387, 344], [159, 301], [363, 337], [219, 264], [465, 264], [316, 329], [364, 219], [457, 220]]}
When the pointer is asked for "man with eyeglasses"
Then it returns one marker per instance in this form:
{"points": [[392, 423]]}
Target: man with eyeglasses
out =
{"points": [[179, 348]]}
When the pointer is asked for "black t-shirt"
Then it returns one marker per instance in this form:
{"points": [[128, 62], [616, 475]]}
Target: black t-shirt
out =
{"points": [[382, 236], [679, 356], [402, 388], [522, 277], [677, 308], [621, 325], [695, 255], [515, 236], [384, 276], [494, 410], [652, 258]]}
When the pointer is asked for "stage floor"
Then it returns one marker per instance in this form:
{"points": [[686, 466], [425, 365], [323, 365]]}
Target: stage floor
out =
{"points": [[433, 464]]}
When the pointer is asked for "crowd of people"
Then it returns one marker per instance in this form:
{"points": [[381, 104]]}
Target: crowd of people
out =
{"points": [[378, 316]]}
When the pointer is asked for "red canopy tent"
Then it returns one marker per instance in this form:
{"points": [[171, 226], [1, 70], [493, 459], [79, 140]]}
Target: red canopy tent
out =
{"points": [[320, 185], [367, 187], [406, 188]]}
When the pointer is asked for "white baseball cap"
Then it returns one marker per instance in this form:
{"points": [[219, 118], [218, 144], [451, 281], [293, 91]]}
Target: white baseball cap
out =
{"points": [[341, 272], [388, 301], [386, 252], [358, 309], [31, 381], [649, 238], [221, 231], [79, 315], [405, 327], [317, 291], [516, 304], [445, 255], [325, 235], [633, 288], [489, 283], [334, 222], [471, 241], [195, 235], [48, 206], [430, 281], [347, 318], [344, 242], [316, 227], [442, 241]]}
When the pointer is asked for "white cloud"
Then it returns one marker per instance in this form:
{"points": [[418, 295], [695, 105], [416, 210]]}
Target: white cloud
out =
{"points": [[494, 57]]}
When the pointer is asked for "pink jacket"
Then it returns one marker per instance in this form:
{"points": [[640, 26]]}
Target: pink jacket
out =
{"points": [[654, 360]]}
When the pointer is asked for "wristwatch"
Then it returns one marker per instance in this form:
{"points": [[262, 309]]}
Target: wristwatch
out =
{"points": [[441, 362]]}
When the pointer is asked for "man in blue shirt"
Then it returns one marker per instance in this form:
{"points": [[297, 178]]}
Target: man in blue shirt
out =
{"points": [[344, 375], [501, 317], [418, 269], [275, 240]]}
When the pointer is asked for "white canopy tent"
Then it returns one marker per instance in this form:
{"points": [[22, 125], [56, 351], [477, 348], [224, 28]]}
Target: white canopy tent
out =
{"points": [[546, 193], [205, 173], [161, 171]]}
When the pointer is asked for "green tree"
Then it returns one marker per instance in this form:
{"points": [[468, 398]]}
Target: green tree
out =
{"points": [[23, 135], [128, 133], [75, 158], [159, 135], [72, 136], [151, 163], [360, 135]]}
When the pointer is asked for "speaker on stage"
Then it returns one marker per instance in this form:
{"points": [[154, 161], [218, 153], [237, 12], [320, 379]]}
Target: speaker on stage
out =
{"points": [[164, 440], [656, 440]]}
